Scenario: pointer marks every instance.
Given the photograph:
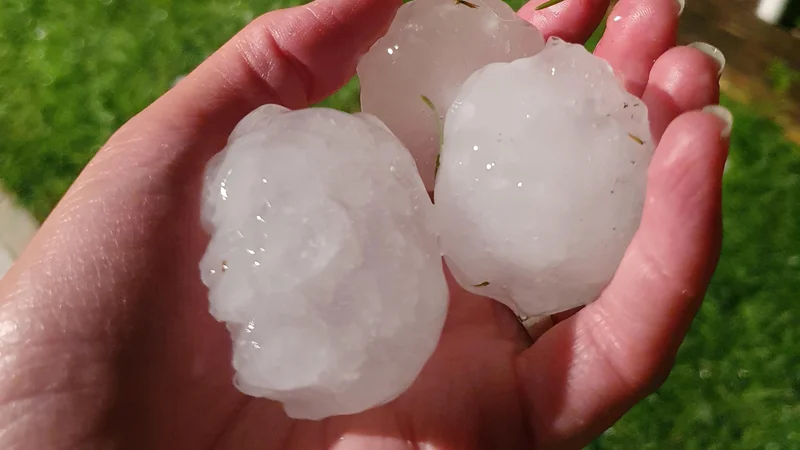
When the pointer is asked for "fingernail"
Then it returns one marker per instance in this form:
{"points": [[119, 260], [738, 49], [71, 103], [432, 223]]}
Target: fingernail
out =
{"points": [[681, 5], [725, 115], [713, 52]]}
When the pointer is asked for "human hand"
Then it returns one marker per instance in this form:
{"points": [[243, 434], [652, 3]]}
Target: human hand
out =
{"points": [[104, 331]]}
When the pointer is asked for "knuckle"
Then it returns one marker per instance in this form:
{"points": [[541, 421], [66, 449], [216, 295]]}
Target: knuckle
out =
{"points": [[261, 49]]}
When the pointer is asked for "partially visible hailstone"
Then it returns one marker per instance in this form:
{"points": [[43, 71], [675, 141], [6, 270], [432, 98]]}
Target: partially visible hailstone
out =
{"points": [[430, 49], [322, 260], [542, 179]]}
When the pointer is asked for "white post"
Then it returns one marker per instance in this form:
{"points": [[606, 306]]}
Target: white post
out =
{"points": [[771, 11]]}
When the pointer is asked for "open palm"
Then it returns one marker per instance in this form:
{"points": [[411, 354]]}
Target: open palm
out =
{"points": [[105, 336]]}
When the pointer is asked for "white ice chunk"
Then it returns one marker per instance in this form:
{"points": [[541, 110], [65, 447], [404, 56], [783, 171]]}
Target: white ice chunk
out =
{"points": [[322, 260], [430, 49], [542, 179]]}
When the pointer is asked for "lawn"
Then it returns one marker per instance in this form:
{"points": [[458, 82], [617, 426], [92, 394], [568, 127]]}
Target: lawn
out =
{"points": [[72, 72]]}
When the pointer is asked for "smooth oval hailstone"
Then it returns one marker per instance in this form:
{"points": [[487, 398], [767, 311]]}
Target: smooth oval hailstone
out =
{"points": [[322, 260], [431, 47], [542, 179]]}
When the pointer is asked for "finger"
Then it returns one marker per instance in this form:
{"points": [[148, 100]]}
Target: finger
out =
{"points": [[683, 79], [638, 32], [571, 20], [587, 371]]}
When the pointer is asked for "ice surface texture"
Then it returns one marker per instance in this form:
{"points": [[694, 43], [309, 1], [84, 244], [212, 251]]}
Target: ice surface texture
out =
{"points": [[542, 179], [322, 261], [430, 49]]}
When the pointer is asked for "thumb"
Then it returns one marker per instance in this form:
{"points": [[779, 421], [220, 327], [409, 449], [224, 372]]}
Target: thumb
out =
{"points": [[293, 57]]}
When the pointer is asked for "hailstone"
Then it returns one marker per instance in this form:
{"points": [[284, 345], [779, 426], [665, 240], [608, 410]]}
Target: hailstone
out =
{"points": [[431, 47], [323, 261], [542, 179]]}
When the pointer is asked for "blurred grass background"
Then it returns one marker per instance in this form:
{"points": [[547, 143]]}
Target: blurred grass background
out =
{"points": [[73, 72]]}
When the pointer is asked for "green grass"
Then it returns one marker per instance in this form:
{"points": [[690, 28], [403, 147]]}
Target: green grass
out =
{"points": [[72, 72]]}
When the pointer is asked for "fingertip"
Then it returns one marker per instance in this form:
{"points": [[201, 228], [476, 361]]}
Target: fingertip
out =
{"points": [[682, 79], [694, 146], [685, 66], [705, 126], [724, 116], [713, 53]]}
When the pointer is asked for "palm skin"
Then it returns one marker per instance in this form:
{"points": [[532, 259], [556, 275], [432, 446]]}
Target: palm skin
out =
{"points": [[104, 332]]}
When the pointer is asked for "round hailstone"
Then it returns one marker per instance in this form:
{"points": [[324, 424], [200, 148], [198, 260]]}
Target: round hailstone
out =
{"points": [[322, 261], [430, 49], [542, 179]]}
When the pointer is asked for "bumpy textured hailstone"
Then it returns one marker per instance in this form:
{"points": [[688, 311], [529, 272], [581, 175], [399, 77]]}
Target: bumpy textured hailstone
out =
{"points": [[322, 260], [542, 179], [430, 49]]}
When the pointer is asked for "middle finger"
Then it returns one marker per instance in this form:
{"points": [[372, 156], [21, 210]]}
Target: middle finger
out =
{"points": [[637, 34]]}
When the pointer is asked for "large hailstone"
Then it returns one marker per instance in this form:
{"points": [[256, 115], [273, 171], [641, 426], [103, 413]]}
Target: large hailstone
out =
{"points": [[431, 47], [542, 179], [322, 261]]}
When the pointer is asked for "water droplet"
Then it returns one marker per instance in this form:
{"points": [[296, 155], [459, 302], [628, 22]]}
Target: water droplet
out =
{"points": [[160, 15], [519, 184], [40, 33], [490, 165], [705, 374], [264, 180], [474, 148], [260, 219], [392, 168], [390, 50], [553, 71], [250, 251], [617, 19]]}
